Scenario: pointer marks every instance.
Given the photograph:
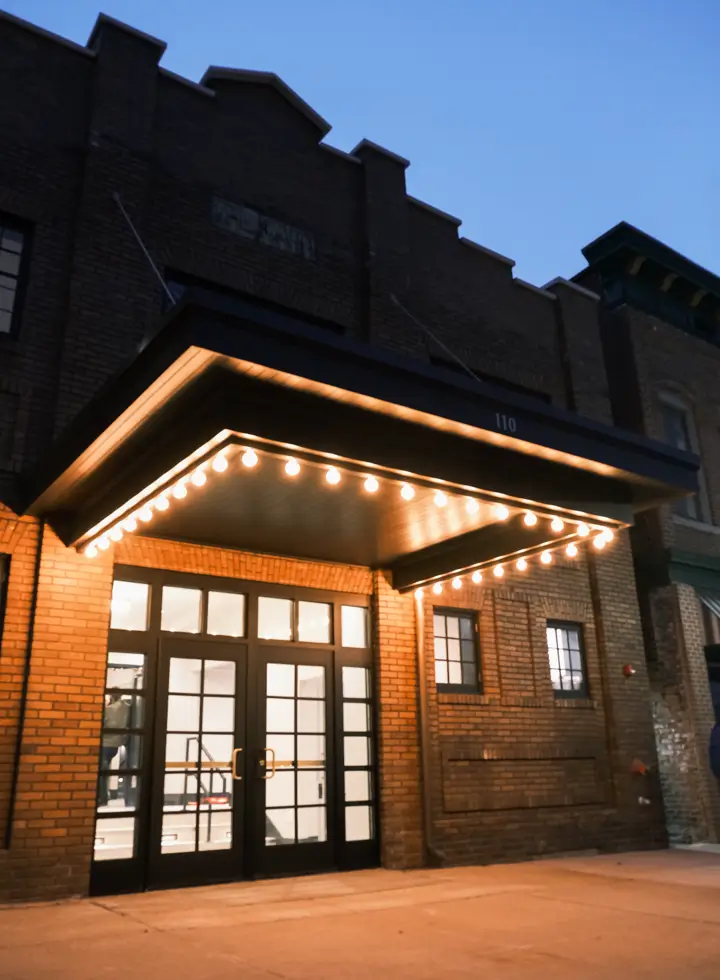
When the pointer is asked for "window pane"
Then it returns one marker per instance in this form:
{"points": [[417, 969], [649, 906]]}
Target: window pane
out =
{"points": [[311, 824], [469, 676], [453, 626], [118, 712], [114, 838], [125, 670], [357, 823], [280, 826], [183, 713], [466, 626], [280, 715], [453, 649], [311, 787], [439, 625], [178, 832], [120, 751], [226, 614], [454, 673], [357, 785], [357, 750], [311, 716], [12, 240], [440, 648], [184, 676], [281, 680], [219, 677], [180, 610], [284, 748], [218, 714], [354, 626], [355, 682], [311, 750], [274, 619], [468, 651], [218, 748], [215, 831], [280, 789], [129, 606], [310, 681], [356, 717], [118, 793], [314, 622], [441, 671]]}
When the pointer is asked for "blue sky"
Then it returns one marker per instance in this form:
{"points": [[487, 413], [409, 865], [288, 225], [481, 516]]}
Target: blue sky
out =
{"points": [[540, 124]]}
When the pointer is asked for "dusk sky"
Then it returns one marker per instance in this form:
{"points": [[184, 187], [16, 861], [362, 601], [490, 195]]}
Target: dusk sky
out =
{"points": [[540, 125]]}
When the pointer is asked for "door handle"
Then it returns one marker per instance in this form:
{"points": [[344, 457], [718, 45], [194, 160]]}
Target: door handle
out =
{"points": [[233, 763], [272, 763]]}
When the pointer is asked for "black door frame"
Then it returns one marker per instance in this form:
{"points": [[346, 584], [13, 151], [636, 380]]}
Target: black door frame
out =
{"points": [[134, 874]]}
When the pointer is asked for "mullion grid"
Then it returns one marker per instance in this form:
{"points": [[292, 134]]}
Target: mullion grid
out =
{"points": [[453, 632], [367, 734], [567, 667]]}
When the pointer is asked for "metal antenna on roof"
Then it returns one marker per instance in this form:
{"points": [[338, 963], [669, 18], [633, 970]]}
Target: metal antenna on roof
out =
{"points": [[429, 333], [116, 197]]}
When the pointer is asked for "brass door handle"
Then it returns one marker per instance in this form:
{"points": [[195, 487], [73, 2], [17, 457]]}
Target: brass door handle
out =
{"points": [[233, 763], [272, 763]]}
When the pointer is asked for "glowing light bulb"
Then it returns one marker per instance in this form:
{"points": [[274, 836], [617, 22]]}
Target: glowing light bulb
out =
{"points": [[583, 530], [292, 467], [530, 519], [145, 514], [90, 551], [556, 524], [498, 571], [472, 506], [418, 593], [477, 577], [437, 588], [130, 524], [457, 583], [220, 463], [608, 534], [249, 458], [104, 543], [371, 485], [521, 564], [162, 503], [116, 533], [546, 557], [199, 478], [599, 542], [440, 498], [501, 512], [333, 475], [180, 490], [571, 550], [407, 492]]}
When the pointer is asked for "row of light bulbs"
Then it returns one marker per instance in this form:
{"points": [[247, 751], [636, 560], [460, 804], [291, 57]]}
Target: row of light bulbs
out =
{"points": [[333, 476], [600, 540]]}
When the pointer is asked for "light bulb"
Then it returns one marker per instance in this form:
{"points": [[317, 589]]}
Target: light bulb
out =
{"points": [[608, 534], [162, 503], [583, 530], [546, 557], [571, 550], [333, 475], [198, 478], [521, 564], [477, 577], [556, 524], [440, 498], [457, 583], [418, 593], [116, 533], [180, 490], [104, 543], [220, 463], [90, 551], [371, 485], [437, 588], [599, 542], [292, 467], [130, 524], [145, 513], [529, 520], [501, 512], [249, 458], [407, 492], [498, 571], [472, 506]]}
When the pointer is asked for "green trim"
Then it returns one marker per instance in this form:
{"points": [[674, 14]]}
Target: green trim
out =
{"points": [[690, 568]]}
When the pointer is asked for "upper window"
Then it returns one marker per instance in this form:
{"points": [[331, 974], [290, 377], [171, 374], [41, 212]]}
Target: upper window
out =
{"points": [[456, 662], [568, 674], [13, 256], [679, 431]]}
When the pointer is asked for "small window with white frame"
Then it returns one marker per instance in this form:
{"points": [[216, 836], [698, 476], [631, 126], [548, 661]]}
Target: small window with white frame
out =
{"points": [[679, 430], [568, 672]]}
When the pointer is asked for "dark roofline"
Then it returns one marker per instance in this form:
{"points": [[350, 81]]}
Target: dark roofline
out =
{"points": [[627, 236]]}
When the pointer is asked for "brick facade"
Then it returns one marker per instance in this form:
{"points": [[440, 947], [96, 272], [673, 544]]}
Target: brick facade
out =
{"points": [[513, 771]]}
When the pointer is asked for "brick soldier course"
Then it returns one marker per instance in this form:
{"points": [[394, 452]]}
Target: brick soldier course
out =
{"points": [[231, 189]]}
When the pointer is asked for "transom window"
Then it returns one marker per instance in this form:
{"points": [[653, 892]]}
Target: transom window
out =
{"points": [[568, 674], [455, 647], [13, 253]]}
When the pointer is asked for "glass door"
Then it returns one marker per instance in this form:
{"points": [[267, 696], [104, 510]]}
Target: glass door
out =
{"points": [[291, 770], [197, 825]]}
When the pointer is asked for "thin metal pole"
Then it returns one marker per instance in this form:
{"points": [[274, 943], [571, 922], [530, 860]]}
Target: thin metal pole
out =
{"points": [[428, 331], [138, 239]]}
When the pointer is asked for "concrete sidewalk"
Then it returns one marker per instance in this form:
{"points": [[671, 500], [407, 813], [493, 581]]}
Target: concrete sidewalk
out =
{"points": [[654, 915]]}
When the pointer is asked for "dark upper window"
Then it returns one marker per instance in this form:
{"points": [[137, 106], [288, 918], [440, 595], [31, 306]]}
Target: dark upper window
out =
{"points": [[679, 431], [4, 574], [451, 365], [568, 673], [455, 645], [13, 262]]}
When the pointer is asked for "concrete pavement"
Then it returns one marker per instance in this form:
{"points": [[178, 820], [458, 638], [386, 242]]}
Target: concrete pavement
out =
{"points": [[654, 915]]}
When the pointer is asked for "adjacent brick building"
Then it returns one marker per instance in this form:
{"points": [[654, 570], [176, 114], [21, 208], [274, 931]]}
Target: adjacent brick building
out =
{"points": [[283, 588]]}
